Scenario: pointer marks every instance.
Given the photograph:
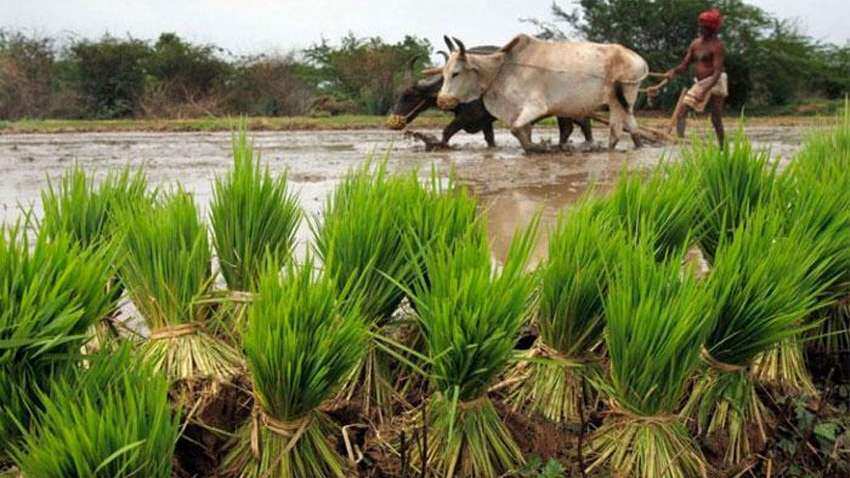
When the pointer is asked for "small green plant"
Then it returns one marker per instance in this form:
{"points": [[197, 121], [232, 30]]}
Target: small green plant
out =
{"points": [[51, 293], [656, 318], [111, 419], [765, 282], [664, 204], [87, 211], [819, 179], [370, 240], [167, 271], [252, 215], [570, 315], [301, 342], [471, 317], [732, 181]]}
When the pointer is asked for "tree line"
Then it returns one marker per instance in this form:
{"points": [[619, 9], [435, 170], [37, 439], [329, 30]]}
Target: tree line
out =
{"points": [[771, 64], [120, 77]]}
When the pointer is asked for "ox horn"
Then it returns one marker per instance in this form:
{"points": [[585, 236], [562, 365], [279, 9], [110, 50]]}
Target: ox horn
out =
{"points": [[460, 46], [432, 71], [449, 43], [408, 73], [444, 55]]}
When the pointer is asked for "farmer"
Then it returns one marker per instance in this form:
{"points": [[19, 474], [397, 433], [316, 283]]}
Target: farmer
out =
{"points": [[711, 85]]}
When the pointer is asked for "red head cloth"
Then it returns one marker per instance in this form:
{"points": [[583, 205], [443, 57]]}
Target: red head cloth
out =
{"points": [[711, 19]]}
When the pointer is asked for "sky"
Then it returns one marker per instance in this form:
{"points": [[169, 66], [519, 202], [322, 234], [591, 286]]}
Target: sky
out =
{"points": [[253, 26]]}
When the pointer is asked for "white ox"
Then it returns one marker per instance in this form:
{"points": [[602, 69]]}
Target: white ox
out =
{"points": [[529, 79]]}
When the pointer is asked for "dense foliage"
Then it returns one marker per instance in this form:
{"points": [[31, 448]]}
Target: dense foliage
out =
{"points": [[115, 77]]}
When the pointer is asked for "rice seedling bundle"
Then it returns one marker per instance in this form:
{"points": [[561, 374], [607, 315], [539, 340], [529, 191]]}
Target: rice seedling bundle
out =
{"points": [[570, 315], [111, 419], [663, 205], [87, 213], [656, 319], [821, 211], [820, 179], [253, 214], [301, 342], [766, 280], [732, 181], [51, 293], [167, 272], [370, 237], [471, 317]]}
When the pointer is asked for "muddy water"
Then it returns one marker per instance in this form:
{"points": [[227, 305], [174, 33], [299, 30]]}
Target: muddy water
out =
{"points": [[512, 186]]}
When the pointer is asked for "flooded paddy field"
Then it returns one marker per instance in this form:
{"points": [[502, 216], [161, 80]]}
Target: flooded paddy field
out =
{"points": [[511, 185]]}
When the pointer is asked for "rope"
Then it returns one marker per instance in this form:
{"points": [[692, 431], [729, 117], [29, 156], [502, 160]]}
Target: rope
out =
{"points": [[718, 365], [292, 430], [414, 110], [664, 419], [174, 331], [545, 351], [475, 404]]}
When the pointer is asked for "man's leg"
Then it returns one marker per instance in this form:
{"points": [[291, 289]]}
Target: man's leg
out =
{"points": [[681, 121], [717, 104]]}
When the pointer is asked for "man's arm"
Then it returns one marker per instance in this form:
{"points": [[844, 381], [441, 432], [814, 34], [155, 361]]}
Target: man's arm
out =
{"points": [[683, 67]]}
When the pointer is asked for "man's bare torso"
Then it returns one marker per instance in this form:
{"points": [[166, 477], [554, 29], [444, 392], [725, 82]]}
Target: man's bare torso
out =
{"points": [[703, 53]]}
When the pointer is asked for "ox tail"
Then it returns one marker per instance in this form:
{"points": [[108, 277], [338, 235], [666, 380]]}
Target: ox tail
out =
{"points": [[621, 96]]}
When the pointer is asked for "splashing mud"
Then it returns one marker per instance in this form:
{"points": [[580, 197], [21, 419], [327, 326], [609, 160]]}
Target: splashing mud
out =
{"points": [[511, 185]]}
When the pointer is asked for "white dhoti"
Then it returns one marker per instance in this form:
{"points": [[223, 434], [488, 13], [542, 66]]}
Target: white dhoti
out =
{"points": [[721, 88]]}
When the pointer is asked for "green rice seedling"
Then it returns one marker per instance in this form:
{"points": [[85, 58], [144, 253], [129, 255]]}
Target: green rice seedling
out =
{"points": [[51, 294], [822, 211], [570, 315], [826, 153], [87, 212], [301, 342], [252, 214], [765, 282], [445, 213], [361, 235], [820, 179], [732, 181], [656, 320], [666, 202], [167, 272], [471, 317], [111, 419], [365, 238]]}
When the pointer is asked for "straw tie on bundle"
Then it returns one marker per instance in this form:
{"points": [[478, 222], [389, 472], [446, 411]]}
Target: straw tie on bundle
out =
{"points": [[175, 331], [475, 404], [616, 410], [712, 362], [292, 430], [544, 351]]}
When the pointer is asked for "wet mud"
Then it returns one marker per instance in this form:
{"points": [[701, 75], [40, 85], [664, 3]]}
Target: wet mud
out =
{"points": [[512, 186]]}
